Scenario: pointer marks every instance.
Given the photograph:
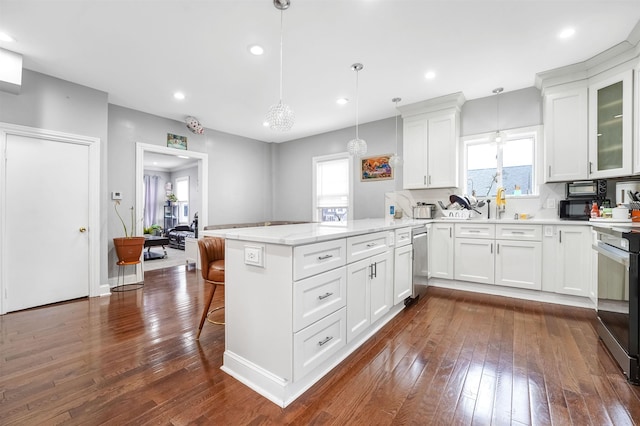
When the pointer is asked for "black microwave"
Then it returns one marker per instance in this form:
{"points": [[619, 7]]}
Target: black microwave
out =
{"points": [[587, 189], [577, 209]]}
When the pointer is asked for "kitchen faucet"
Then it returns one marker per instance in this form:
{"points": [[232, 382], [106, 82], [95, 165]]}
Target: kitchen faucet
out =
{"points": [[501, 202]]}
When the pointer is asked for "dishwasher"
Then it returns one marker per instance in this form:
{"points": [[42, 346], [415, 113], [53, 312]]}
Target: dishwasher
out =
{"points": [[420, 263]]}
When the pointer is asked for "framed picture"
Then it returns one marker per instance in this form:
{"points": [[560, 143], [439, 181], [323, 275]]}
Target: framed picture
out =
{"points": [[176, 141], [376, 168]]}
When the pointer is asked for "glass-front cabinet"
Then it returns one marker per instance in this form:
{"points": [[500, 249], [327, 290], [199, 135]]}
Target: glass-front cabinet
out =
{"points": [[611, 126]]}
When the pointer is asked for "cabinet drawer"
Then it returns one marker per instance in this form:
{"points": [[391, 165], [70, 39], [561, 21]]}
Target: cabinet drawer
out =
{"points": [[519, 232], [315, 258], [318, 342], [318, 296], [402, 237], [473, 230], [363, 246]]}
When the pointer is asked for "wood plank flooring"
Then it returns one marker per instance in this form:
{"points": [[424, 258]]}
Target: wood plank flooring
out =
{"points": [[452, 358]]}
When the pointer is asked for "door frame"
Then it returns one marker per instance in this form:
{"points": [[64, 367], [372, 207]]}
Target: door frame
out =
{"points": [[203, 183], [94, 234]]}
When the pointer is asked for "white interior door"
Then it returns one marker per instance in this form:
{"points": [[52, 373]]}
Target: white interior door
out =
{"points": [[46, 256]]}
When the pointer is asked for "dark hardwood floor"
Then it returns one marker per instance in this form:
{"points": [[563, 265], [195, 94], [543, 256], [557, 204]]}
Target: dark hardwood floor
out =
{"points": [[452, 358]]}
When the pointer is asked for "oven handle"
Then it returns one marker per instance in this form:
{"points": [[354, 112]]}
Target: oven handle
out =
{"points": [[615, 254]]}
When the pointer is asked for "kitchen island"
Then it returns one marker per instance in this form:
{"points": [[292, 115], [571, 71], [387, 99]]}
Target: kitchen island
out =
{"points": [[300, 298]]}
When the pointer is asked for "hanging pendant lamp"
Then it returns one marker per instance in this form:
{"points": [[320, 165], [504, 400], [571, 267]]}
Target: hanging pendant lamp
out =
{"points": [[498, 136], [357, 147], [395, 160], [280, 116]]}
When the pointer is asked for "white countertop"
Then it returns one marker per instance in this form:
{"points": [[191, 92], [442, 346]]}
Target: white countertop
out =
{"points": [[306, 233]]}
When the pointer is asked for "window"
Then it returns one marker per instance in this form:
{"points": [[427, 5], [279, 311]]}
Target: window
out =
{"points": [[510, 164], [182, 193], [332, 188]]}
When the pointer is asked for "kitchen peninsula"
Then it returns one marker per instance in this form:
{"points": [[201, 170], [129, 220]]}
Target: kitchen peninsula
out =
{"points": [[300, 298]]}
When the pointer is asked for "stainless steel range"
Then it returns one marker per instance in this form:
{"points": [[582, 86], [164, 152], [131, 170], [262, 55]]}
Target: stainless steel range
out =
{"points": [[618, 249]]}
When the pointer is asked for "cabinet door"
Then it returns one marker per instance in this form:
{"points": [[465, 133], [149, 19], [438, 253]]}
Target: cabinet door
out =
{"points": [[610, 126], [442, 152], [573, 266], [474, 260], [519, 264], [414, 145], [358, 298], [565, 135], [402, 267], [441, 251], [381, 285]]}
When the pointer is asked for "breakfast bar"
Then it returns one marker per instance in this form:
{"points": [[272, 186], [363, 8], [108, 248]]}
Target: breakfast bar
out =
{"points": [[300, 298]]}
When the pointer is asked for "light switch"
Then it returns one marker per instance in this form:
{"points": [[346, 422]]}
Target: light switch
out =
{"points": [[551, 203], [254, 256]]}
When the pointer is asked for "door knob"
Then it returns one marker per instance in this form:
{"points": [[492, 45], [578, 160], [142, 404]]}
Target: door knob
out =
{"points": [[83, 229]]}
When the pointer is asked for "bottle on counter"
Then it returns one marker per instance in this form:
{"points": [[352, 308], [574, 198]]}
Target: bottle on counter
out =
{"points": [[595, 211]]}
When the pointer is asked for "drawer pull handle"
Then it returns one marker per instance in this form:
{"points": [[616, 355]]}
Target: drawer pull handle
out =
{"points": [[325, 341], [371, 245], [517, 232], [473, 230], [326, 256], [324, 296]]}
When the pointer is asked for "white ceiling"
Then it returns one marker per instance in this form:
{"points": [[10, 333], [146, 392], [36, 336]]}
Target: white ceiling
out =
{"points": [[140, 52]]}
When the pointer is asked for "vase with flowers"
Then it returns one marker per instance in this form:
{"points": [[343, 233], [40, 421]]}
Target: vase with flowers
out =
{"points": [[128, 248]]}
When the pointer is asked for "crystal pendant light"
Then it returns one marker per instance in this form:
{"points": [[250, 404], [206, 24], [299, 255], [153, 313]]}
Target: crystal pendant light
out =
{"points": [[498, 136], [280, 116], [357, 147], [395, 160]]}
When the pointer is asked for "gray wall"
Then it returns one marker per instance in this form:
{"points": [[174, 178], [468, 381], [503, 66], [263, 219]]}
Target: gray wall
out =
{"points": [[49, 103], [292, 179], [520, 108]]}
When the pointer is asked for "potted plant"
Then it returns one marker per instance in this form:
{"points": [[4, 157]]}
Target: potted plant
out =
{"points": [[171, 198], [128, 248]]}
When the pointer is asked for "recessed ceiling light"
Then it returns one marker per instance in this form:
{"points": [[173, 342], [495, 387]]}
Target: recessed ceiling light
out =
{"points": [[566, 33], [265, 123], [6, 37], [430, 75], [256, 50], [342, 101], [179, 95]]}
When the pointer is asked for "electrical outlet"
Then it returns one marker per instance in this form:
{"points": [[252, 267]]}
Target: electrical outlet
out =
{"points": [[253, 255], [551, 203]]}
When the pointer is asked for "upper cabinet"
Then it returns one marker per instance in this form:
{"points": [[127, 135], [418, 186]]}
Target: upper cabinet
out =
{"points": [[611, 126], [565, 133], [588, 120], [431, 131]]}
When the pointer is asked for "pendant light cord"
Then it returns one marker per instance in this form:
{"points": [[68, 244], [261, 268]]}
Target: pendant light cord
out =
{"points": [[396, 151], [357, 72], [281, 19]]}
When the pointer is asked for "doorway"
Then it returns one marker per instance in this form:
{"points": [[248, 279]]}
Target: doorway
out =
{"points": [[146, 151], [49, 218]]}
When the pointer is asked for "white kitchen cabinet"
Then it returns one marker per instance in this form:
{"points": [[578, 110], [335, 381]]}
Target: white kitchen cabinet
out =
{"points": [[610, 125], [568, 258], [565, 132], [369, 292], [430, 144], [402, 268], [636, 120], [519, 264], [441, 250], [474, 260], [431, 131], [191, 251]]}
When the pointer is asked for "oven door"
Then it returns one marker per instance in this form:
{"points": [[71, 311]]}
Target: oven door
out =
{"points": [[618, 305]]}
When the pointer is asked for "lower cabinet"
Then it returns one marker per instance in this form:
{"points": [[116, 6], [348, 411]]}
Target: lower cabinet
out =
{"points": [[568, 259], [441, 250], [402, 276], [519, 264], [474, 260], [369, 292]]}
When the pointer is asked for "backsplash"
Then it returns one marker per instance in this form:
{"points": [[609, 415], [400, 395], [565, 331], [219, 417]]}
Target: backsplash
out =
{"points": [[534, 206]]}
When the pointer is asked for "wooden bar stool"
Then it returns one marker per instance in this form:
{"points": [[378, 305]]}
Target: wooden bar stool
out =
{"points": [[212, 269]]}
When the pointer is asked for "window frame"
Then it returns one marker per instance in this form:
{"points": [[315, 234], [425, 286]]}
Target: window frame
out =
{"points": [[536, 132], [315, 213]]}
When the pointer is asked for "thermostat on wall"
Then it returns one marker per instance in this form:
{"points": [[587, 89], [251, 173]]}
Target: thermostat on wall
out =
{"points": [[116, 195]]}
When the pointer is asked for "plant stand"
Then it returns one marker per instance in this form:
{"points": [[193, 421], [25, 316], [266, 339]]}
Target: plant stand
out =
{"points": [[127, 287]]}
